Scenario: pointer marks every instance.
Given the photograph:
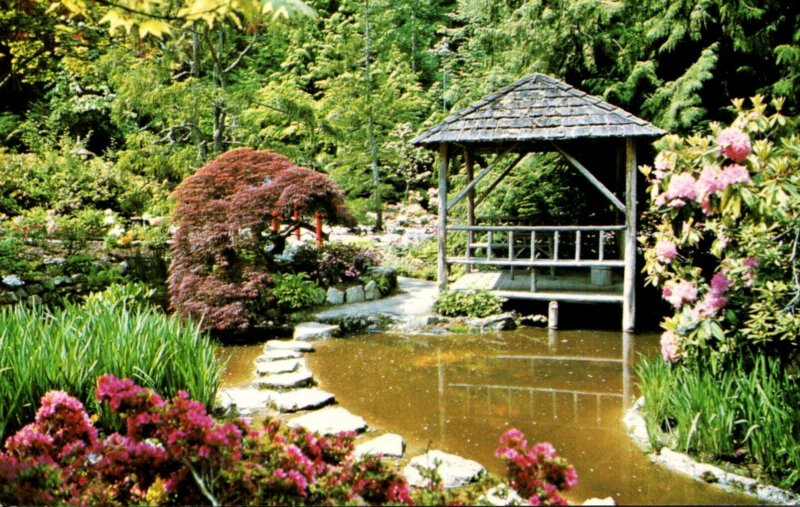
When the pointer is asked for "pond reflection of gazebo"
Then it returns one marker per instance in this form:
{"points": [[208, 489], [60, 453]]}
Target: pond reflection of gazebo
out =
{"points": [[548, 262]]}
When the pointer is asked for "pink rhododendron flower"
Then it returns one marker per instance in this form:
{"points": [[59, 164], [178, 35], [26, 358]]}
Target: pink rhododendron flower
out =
{"points": [[679, 292], [734, 144], [720, 284], [734, 173], [666, 251], [682, 186], [709, 306], [709, 181], [669, 347]]}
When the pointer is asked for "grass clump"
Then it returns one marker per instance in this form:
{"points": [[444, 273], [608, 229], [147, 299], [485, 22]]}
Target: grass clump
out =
{"points": [[468, 303], [69, 348], [747, 414]]}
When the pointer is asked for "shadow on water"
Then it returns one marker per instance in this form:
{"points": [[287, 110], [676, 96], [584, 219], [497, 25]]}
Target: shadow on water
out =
{"points": [[459, 393]]}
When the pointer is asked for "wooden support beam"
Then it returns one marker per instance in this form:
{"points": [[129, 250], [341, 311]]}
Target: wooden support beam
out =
{"points": [[469, 163], [472, 184], [500, 178], [629, 276], [442, 259], [592, 178]]}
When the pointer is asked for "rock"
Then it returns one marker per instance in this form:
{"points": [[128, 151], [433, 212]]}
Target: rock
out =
{"points": [[455, 471], [771, 494], [371, 291], [310, 331], [599, 501], [330, 421], [78, 278], [503, 322], [636, 427], [288, 345], [62, 280], [302, 399], [355, 294], [281, 366], [300, 378], [278, 355], [245, 399], [387, 272], [334, 296], [502, 494], [390, 445], [533, 320]]}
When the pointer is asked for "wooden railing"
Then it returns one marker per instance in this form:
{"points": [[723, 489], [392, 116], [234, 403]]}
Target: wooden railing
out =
{"points": [[539, 246]]}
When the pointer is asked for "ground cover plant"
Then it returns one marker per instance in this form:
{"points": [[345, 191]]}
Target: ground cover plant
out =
{"points": [[723, 248], [467, 303], [171, 452], [67, 348]]}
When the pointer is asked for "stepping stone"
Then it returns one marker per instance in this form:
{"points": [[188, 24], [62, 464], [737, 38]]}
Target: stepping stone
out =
{"points": [[310, 331], [281, 366], [302, 399], [455, 471], [330, 421], [277, 355], [245, 399], [390, 445], [295, 345], [300, 378]]}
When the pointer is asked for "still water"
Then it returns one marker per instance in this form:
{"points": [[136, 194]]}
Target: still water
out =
{"points": [[459, 393]]}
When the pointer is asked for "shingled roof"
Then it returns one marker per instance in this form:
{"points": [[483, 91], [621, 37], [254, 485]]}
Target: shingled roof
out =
{"points": [[537, 108]]}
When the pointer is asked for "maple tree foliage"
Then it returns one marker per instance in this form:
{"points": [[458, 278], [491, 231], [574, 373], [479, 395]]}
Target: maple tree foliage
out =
{"points": [[224, 249]]}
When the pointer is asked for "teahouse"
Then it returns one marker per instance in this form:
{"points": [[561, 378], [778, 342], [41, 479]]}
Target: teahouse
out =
{"points": [[550, 262]]}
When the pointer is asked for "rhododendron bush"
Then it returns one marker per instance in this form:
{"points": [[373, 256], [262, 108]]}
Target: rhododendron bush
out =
{"points": [[724, 244], [173, 452], [233, 216]]}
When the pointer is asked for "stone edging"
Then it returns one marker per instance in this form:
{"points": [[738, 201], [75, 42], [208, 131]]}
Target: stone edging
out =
{"points": [[684, 464]]}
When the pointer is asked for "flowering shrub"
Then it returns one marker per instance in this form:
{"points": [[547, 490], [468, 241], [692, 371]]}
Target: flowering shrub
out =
{"points": [[229, 215], [535, 471], [725, 236], [342, 262], [172, 452]]}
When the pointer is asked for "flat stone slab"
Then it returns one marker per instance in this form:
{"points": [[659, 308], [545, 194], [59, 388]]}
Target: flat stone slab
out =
{"points": [[390, 445], [295, 345], [278, 354], [245, 399], [455, 471], [310, 331], [308, 398], [279, 366], [330, 421], [300, 378]]}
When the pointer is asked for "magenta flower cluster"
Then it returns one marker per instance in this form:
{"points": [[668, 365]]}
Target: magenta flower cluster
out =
{"points": [[734, 144], [536, 472], [175, 452]]}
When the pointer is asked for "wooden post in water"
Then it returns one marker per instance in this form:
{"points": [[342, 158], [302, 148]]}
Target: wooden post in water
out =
{"points": [[629, 276], [442, 259], [552, 315]]}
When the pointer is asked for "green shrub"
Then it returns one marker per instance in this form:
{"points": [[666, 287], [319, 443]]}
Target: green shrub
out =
{"points": [[67, 349], [296, 291], [747, 413], [468, 303]]}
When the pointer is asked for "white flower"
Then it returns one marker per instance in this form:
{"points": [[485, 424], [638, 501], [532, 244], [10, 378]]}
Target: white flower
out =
{"points": [[13, 281]]}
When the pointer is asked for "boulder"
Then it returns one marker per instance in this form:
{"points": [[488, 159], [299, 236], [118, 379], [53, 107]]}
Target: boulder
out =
{"points": [[371, 291], [288, 345], [599, 501], [330, 421], [390, 445], [502, 494], [310, 331], [334, 296], [299, 378], [502, 322], [278, 355], [455, 471], [281, 366], [355, 294], [302, 399]]}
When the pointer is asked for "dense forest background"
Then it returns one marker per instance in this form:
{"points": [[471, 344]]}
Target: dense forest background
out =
{"points": [[113, 112]]}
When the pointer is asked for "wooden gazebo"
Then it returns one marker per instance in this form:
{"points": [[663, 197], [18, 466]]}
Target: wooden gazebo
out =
{"points": [[540, 114]]}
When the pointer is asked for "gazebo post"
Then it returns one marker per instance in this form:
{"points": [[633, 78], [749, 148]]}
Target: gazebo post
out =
{"points": [[629, 276], [442, 258], [469, 162]]}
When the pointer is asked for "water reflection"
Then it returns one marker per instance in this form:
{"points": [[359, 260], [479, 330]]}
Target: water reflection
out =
{"points": [[459, 393]]}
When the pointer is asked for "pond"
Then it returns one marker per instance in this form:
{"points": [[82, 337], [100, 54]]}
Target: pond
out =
{"points": [[459, 393]]}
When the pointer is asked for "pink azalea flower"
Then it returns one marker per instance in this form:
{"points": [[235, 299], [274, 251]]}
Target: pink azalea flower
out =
{"points": [[709, 306], [666, 251], [682, 186], [709, 181], [720, 284], [734, 173], [669, 347], [677, 293], [734, 144]]}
